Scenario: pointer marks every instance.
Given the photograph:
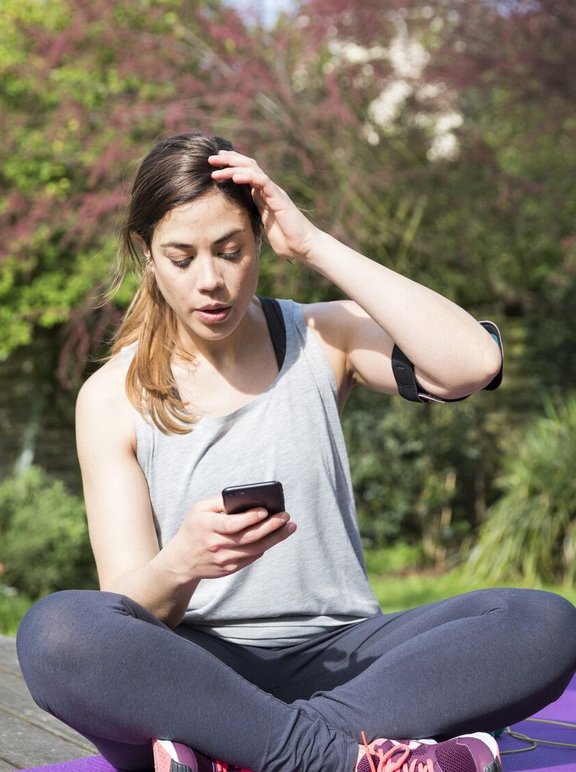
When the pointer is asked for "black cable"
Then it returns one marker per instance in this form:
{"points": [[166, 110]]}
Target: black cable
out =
{"points": [[534, 742]]}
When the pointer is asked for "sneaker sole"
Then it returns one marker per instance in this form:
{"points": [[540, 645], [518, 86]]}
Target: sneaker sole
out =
{"points": [[488, 739], [181, 758]]}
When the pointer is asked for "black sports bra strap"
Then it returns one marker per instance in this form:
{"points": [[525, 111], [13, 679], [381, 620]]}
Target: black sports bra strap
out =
{"points": [[276, 327]]}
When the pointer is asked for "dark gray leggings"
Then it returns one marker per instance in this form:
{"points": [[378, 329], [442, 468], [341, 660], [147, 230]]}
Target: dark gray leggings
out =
{"points": [[112, 671]]}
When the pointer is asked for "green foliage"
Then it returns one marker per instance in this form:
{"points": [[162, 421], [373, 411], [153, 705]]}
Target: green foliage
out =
{"points": [[396, 559], [78, 105], [530, 531], [13, 606], [43, 536], [422, 473], [505, 209]]}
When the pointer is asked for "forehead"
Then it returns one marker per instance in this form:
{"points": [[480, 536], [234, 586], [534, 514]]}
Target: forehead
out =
{"points": [[206, 218]]}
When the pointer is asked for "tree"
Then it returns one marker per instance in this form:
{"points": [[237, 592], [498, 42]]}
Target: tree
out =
{"points": [[507, 208], [434, 135], [84, 89]]}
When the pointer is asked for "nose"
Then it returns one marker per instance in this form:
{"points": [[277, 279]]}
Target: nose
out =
{"points": [[208, 275]]}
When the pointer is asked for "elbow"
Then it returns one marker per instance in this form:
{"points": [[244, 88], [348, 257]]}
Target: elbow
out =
{"points": [[492, 365], [488, 362], [491, 358], [477, 376]]}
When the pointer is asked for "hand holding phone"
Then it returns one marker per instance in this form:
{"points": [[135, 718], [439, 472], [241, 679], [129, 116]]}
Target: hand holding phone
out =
{"points": [[239, 498]]}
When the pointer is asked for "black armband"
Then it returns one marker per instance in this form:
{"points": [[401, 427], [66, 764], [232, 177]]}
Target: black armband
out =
{"points": [[410, 389]]}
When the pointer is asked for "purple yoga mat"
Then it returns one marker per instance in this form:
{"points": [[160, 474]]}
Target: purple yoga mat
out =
{"points": [[544, 758]]}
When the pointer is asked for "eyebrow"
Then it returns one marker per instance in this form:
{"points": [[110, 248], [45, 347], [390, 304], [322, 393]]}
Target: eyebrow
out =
{"points": [[225, 237]]}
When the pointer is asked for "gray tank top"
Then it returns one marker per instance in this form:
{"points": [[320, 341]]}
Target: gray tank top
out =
{"points": [[291, 432]]}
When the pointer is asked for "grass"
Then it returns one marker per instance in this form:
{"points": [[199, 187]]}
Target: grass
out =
{"points": [[399, 583], [395, 575]]}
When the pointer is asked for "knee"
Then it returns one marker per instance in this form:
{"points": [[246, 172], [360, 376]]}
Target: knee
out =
{"points": [[558, 618], [47, 630], [63, 634], [548, 622], [51, 641], [552, 613]]}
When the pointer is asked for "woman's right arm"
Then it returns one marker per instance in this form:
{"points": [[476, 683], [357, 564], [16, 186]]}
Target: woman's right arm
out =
{"points": [[128, 556]]}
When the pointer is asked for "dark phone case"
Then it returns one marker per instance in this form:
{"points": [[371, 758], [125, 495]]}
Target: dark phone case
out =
{"points": [[239, 498]]}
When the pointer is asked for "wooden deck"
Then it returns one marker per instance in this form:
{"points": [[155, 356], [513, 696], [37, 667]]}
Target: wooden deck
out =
{"points": [[29, 737]]}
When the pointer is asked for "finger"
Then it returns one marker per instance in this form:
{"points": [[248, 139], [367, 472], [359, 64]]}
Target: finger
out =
{"points": [[243, 175], [271, 525], [233, 524], [276, 536], [240, 168], [254, 529], [249, 549], [231, 158]]}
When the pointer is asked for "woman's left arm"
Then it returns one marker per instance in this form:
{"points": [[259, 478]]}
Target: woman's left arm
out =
{"points": [[453, 355]]}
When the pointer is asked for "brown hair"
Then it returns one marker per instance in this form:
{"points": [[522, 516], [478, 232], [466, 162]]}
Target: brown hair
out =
{"points": [[175, 172]]}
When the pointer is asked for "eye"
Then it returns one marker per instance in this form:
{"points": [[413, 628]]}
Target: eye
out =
{"points": [[230, 255], [182, 263]]}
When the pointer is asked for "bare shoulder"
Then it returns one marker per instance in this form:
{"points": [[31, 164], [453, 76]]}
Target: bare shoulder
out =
{"points": [[102, 403], [356, 346], [333, 320], [106, 386]]}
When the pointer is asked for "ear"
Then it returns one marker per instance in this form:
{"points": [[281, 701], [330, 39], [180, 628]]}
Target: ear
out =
{"points": [[145, 248], [148, 264]]}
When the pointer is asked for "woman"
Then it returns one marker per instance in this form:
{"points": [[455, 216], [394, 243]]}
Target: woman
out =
{"points": [[255, 638]]}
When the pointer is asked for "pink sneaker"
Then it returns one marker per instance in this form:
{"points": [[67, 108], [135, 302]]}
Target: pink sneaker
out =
{"points": [[176, 757], [467, 753]]}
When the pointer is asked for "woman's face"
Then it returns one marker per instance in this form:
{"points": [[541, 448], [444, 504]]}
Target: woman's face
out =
{"points": [[205, 260]]}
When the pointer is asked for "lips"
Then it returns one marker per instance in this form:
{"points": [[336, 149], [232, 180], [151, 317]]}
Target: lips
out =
{"points": [[213, 314]]}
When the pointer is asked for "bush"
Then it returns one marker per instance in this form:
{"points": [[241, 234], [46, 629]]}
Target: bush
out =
{"points": [[13, 606], [530, 532], [43, 535], [422, 474]]}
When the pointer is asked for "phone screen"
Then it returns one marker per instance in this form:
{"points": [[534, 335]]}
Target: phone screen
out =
{"points": [[239, 498]]}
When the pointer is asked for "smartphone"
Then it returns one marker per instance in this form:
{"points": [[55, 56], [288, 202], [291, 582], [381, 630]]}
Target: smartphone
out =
{"points": [[239, 498]]}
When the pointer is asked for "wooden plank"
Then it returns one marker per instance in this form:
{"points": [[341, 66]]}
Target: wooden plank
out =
{"points": [[28, 735], [8, 658], [16, 701], [26, 745]]}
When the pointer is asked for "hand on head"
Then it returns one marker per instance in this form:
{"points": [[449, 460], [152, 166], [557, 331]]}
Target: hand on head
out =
{"points": [[289, 232]]}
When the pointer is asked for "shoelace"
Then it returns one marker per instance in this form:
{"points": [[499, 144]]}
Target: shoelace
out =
{"points": [[386, 762]]}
